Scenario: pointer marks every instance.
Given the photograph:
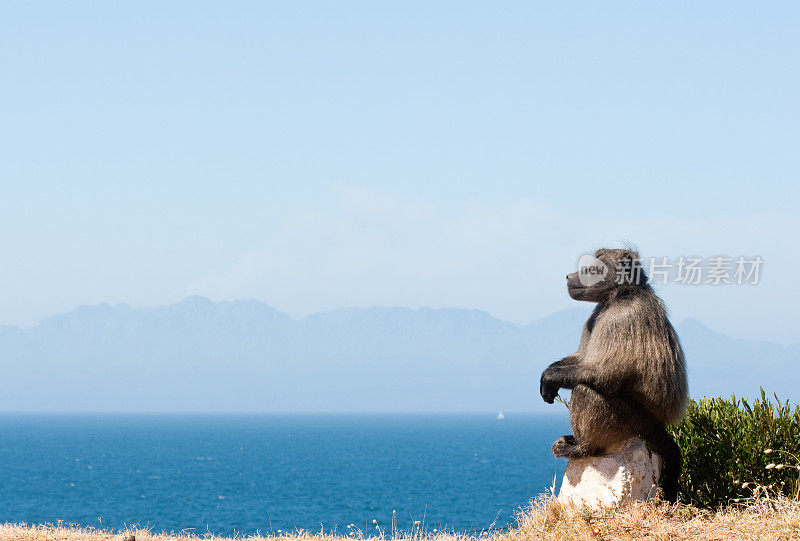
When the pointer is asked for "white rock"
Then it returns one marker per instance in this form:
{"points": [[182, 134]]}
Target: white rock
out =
{"points": [[626, 473]]}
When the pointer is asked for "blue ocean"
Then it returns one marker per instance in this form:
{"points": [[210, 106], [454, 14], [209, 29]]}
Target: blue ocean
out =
{"points": [[262, 473]]}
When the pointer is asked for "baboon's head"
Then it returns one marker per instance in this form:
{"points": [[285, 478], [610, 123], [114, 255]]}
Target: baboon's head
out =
{"points": [[609, 273]]}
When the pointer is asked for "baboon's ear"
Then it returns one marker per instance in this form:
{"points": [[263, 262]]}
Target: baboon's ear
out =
{"points": [[630, 268], [632, 255]]}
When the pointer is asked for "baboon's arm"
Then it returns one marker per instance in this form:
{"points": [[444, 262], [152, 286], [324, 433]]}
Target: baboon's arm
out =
{"points": [[602, 361], [568, 375], [547, 387]]}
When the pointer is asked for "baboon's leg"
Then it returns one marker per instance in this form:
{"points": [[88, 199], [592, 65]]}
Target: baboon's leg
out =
{"points": [[599, 422], [662, 443]]}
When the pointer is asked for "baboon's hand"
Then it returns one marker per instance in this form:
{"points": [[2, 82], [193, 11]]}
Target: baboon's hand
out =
{"points": [[547, 388]]}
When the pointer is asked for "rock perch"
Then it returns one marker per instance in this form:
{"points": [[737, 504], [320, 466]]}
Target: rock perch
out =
{"points": [[628, 472]]}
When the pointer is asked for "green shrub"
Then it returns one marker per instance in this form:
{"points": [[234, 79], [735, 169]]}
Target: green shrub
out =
{"points": [[723, 443]]}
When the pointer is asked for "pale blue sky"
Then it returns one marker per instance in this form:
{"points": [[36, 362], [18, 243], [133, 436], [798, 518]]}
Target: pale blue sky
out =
{"points": [[314, 155]]}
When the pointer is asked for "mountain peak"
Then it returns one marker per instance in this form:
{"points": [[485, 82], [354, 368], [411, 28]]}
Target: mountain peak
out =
{"points": [[202, 355]]}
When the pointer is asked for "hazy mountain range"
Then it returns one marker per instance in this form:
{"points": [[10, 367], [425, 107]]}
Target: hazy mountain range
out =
{"points": [[198, 355]]}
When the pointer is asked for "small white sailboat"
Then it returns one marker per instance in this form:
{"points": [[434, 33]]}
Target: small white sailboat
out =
{"points": [[500, 416]]}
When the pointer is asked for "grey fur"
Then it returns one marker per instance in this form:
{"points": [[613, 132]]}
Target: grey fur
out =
{"points": [[628, 377]]}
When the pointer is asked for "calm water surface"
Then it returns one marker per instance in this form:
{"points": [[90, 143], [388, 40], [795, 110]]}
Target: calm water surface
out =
{"points": [[248, 473]]}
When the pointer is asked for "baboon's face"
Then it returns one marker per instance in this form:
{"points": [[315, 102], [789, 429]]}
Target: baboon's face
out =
{"points": [[597, 292], [622, 271]]}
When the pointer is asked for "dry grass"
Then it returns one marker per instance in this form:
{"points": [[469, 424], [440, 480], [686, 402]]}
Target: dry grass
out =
{"points": [[762, 519]]}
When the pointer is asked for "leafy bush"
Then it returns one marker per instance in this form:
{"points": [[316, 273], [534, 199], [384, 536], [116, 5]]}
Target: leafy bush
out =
{"points": [[724, 442]]}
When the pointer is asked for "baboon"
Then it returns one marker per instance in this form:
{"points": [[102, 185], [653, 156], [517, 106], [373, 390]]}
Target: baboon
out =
{"points": [[628, 377]]}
